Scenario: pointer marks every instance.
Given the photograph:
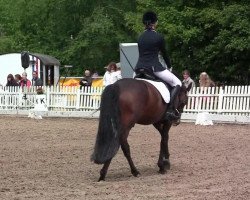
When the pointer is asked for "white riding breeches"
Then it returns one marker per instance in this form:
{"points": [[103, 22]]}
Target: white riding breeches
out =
{"points": [[168, 77]]}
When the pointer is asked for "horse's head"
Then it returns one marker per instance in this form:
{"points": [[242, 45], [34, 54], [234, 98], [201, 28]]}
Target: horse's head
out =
{"points": [[183, 97]]}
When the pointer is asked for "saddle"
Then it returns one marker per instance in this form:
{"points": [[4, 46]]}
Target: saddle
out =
{"points": [[144, 73], [149, 75]]}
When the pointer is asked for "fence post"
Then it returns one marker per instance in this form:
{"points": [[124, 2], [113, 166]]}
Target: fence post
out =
{"points": [[220, 100], [48, 96], [20, 99], [78, 98]]}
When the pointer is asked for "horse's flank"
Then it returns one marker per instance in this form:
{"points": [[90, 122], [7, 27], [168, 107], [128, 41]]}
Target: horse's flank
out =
{"points": [[140, 103]]}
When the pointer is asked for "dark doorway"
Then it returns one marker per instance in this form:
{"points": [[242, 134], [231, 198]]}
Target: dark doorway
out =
{"points": [[49, 71]]}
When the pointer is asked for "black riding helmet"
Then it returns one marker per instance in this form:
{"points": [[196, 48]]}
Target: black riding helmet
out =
{"points": [[149, 18]]}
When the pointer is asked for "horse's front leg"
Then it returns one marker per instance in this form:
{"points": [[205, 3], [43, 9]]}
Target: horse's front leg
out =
{"points": [[126, 151], [163, 161]]}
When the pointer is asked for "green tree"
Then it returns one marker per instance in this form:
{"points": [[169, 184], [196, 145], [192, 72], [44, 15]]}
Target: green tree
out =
{"points": [[201, 35], [210, 36]]}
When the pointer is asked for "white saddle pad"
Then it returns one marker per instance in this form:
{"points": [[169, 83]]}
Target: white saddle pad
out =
{"points": [[161, 88]]}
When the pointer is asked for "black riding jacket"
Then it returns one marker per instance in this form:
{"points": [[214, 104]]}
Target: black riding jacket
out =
{"points": [[150, 44]]}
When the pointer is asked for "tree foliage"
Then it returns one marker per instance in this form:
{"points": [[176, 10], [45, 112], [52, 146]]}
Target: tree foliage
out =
{"points": [[201, 35]]}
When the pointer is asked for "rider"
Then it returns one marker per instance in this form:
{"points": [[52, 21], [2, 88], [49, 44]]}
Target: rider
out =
{"points": [[150, 44]]}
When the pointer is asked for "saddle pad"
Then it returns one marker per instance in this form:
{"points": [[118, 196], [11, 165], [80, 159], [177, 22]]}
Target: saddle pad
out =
{"points": [[160, 87]]}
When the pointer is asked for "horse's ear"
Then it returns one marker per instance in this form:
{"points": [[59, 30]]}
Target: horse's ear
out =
{"points": [[189, 87]]}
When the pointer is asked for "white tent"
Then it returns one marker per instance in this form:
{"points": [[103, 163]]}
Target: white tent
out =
{"points": [[11, 64], [46, 66]]}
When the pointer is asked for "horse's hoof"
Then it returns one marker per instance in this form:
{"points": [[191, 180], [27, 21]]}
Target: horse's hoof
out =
{"points": [[135, 173], [176, 123], [167, 167], [166, 163], [162, 171], [101, 179]]}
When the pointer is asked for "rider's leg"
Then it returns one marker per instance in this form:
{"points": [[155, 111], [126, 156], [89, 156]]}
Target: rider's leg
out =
{"points": [[171, 79], [168, 77], [171, 112]]}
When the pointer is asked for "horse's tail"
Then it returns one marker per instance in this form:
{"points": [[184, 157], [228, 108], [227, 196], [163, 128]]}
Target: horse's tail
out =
{"points": [[107, 139]]}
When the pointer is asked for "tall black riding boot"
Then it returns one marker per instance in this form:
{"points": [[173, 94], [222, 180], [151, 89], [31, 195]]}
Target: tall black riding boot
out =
{"points": [[171, 114]]}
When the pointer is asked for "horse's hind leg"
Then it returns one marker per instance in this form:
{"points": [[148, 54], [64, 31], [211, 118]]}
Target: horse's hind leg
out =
{"points": [[104, 170], [126, 151]]}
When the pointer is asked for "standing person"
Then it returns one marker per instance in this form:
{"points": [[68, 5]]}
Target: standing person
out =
{"points": [[115, 72], [118, 71], [35, 80], [86, 80], [11, 81], [18, 78], [150, 44], [107, 76], [187, 79], [205, 80], [112, 74], [25, 82]]}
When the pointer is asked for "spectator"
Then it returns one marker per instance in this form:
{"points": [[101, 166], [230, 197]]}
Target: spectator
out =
{"points": [[11, 81], [35, 80], [118, 72], [86, 80], [112, 74], [18, 78], [95, 74], [205, 80], [25, 82], [187, 79], [107, 76]]}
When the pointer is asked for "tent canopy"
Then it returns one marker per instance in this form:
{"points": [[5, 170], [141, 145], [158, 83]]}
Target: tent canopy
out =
{"points": [[46, 59]]}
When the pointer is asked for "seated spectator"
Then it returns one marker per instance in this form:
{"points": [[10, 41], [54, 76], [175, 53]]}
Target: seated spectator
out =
{"points": [[25, 82], [187, 79], [18, 78], [86, 80], [35, 80], [205, 80], [11, 81]]}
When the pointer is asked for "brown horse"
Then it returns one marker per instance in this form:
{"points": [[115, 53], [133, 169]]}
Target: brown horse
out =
{"points": [[124, 104]]}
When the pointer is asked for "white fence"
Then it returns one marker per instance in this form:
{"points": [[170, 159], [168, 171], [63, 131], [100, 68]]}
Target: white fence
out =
{"points": [[57, 98], [226, 104], [231, 103]]}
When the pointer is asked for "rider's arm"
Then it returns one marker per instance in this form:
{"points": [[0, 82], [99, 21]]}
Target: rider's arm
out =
{"points": [[164, 53]]}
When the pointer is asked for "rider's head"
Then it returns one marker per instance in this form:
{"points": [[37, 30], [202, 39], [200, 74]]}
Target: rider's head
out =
{"points": [[149, 19]]}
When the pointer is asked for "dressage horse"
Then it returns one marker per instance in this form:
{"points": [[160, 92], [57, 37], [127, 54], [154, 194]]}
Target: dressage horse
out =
{"points": [[123, 104]]}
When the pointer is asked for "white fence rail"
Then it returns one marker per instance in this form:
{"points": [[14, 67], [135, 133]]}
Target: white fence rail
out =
{"points": [[57, 98], [227, 101]]}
